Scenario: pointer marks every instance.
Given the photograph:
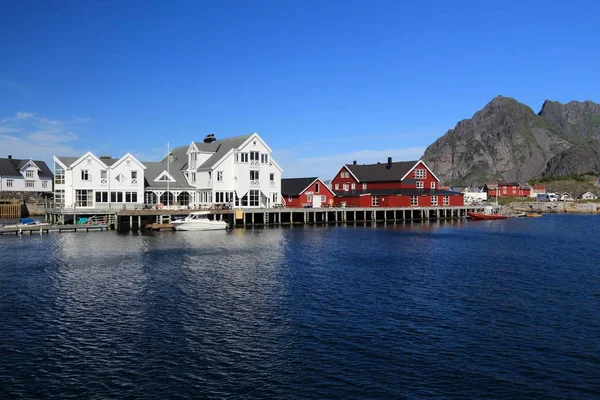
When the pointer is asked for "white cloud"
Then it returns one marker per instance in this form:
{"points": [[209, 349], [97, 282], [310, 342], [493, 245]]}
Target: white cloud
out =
{"points": [[23, 115], [325, 166], [28, 135]]}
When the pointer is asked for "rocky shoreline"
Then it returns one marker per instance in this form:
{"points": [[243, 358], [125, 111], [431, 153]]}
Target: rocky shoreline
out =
{"points": [[555, 207]]}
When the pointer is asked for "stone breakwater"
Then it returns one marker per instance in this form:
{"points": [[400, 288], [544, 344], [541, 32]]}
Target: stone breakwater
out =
{"points": [[560, 207]]}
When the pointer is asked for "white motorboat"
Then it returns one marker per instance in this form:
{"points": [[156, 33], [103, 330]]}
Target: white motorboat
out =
{"points": [[198, 221]]}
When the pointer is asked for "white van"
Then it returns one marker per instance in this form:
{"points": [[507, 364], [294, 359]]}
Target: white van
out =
{"points": [[553, 196], [542, 197]]}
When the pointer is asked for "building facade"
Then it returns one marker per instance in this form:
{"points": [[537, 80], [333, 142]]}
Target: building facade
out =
{"points": [[306, 192], [391, 184], [507, 189], [233, 172], [24, 175]]}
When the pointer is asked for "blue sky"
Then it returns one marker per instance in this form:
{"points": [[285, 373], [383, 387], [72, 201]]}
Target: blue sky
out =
{"points": [[324, 82]]}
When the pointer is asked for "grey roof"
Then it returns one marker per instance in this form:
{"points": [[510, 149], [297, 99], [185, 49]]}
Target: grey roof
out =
{"points": [[176, 168], [380, 172], [220, 148], [404, 192], [11, 167], [295, 186], [70, 160]]}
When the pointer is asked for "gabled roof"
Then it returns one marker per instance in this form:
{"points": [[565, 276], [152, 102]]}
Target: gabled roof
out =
{"points": [[12, 167], [155, 169], [219, 148], [379, 172], [297, 186]]}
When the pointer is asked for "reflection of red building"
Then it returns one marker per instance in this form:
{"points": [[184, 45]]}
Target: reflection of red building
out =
{"points": [[392, 184], [507, 189], [305, 192]]}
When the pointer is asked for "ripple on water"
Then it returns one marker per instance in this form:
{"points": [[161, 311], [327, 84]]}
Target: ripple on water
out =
{"points": [[506, 309]]}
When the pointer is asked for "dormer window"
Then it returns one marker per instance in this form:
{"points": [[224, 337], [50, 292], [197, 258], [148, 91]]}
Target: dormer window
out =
{"points": [[29, 173]]}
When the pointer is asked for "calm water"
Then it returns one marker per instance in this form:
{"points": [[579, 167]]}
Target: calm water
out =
{"points": [[493, 309]]}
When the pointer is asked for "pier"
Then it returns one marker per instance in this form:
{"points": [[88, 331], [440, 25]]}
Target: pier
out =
{"points": [[44, 229]]}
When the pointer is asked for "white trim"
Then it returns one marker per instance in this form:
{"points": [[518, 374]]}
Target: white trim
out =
{"points": [[193, 148], [84, 157], [165, 173], [415, 166], [347, 169], [57, 160], [322, 183], [122, 159], [27, 164]]}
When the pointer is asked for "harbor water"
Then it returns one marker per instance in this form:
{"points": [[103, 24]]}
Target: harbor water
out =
{"points": [[491, 309]]}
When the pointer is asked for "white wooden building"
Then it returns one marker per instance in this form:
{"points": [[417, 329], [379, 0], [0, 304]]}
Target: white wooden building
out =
{"points": [[232, 172], [98, 182], [24, 175], [588, 196]]}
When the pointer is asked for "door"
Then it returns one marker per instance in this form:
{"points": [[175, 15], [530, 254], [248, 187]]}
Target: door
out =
{"points": [[316, 203]]}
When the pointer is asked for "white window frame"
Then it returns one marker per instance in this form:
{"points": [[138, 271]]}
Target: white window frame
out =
{"points": [[420, 173], [434, 200], [432, 185], [219, 176], [337, 186], [10, 182], [414, 201], [374, 201], [353, 186], [446, 200], [29, 173], [364, 186], [346, 187], [29, 184], [419, 184], [45, 184], [85, 175]]}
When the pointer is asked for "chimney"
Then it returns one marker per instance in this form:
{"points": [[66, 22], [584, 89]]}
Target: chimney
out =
{"points": [[210, 138], [10, 157], [354, 162], [389, 164]]}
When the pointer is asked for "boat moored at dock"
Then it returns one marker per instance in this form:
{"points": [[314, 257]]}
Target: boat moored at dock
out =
{"points": [[198, 221]]}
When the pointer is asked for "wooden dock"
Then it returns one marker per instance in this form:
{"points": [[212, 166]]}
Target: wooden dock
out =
{"points": [[42, 229]]}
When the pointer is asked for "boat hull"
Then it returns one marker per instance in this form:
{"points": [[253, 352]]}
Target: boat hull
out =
{"points": [[484, 217], [199, 225]]}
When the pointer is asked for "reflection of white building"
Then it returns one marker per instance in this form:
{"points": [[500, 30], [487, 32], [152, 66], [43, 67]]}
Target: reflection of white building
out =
{"points": [[236, 171], [26, 175]]}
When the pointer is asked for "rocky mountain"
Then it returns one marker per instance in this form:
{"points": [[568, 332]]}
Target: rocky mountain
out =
{"points": [[508, 140], [577, 160]]}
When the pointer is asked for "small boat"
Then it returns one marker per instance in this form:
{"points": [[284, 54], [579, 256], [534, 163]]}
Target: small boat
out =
{"points": [[518, 215], [27, 222], [533, 214], [198, 221], [482, 217]]}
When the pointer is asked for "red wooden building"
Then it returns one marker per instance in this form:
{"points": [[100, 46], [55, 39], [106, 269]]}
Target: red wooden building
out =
{"points": [[507, 189], [306, 192], [391, 184]]}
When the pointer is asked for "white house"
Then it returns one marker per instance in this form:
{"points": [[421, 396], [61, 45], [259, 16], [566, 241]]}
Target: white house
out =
{"points": [[237, 171], [24, 175], [98, 182], [474, 194], [588, 196], [566, 196]]}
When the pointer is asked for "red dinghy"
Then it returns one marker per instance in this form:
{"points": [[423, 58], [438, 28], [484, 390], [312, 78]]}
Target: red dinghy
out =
{"points": [[481, 217]]}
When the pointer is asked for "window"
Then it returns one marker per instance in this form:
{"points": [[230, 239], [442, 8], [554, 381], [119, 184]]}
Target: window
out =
{"points": [[254, 198], [254, 175], [337, 186], [353, 186], [419, 184], [59, 196], [85, 175], [236, 156], [134, 175], [346, 187], [317, 187], [101, 197], [193, 177], [446, 200], [29, 173], [364, 186], [434, 200], [375, 201], [9, 183], [274, 199], [244, 157], [103, 174], [29, 184], [254, 156], [83, 198], [272, 178], [414, 200], [432, 185], [219, 176], [45, 184], [59, 175], [264, 158], [309, 198], [420, 173]]}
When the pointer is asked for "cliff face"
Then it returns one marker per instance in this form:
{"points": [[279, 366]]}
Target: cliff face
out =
{"points": [[579, 159], [508, 140]]}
